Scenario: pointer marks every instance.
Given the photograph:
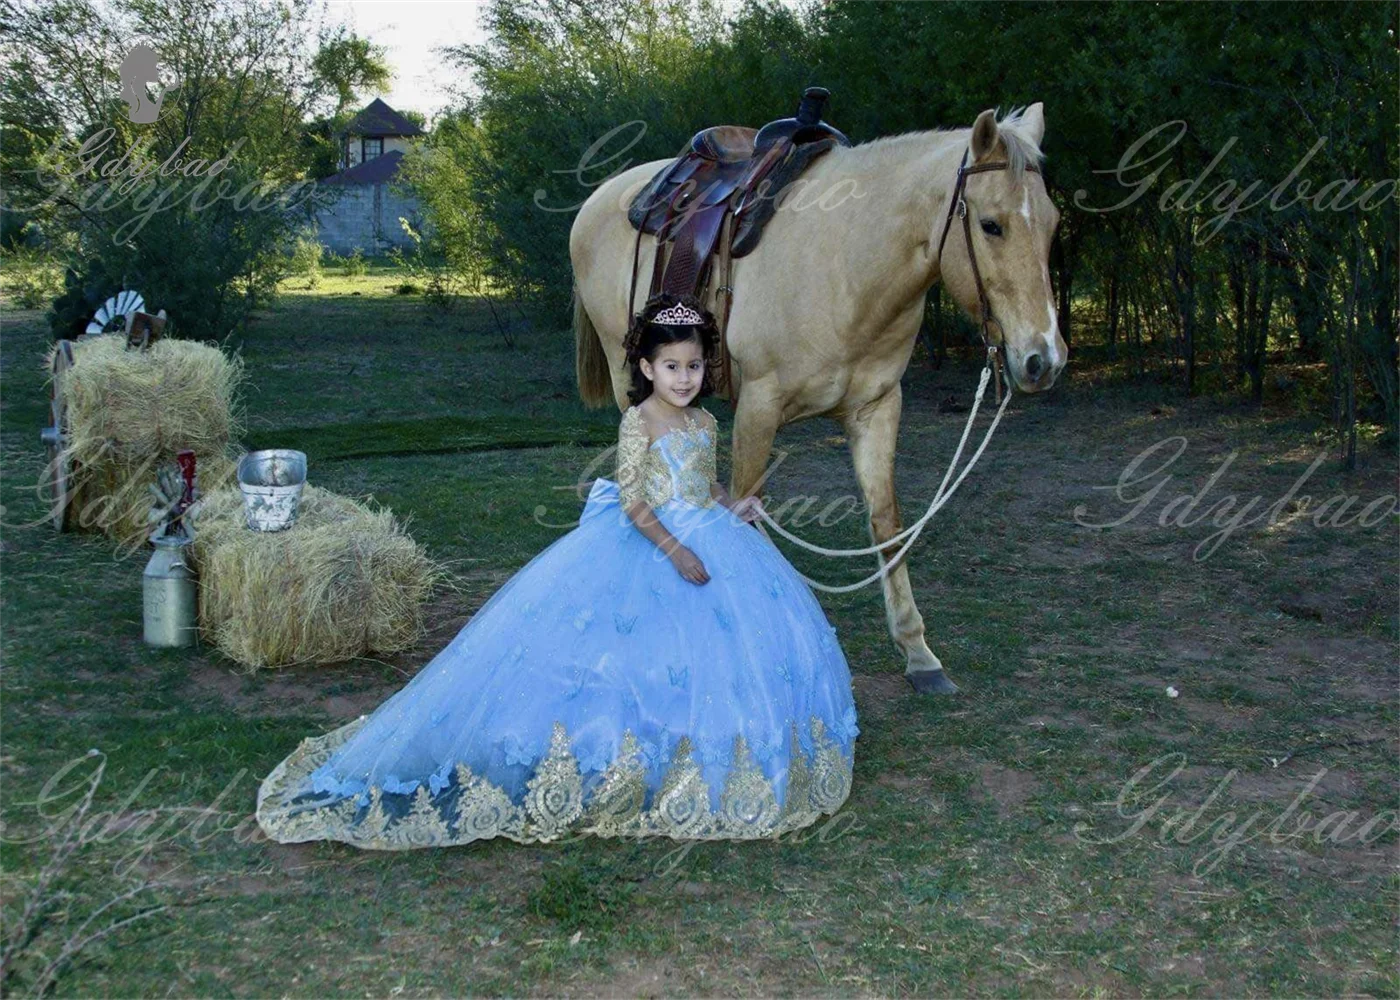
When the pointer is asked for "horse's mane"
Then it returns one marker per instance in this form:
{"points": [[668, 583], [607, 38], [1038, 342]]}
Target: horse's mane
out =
{"points": [[1020, 147]]}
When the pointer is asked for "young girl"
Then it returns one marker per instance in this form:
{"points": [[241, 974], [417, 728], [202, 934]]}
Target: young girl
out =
{"points": [[660, 670]]}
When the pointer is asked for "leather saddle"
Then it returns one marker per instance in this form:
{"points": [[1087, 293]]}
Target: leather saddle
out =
{"points": [[715, 198]]}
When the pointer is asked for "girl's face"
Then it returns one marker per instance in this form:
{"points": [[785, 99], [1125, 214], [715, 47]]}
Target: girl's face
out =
{"points": [[676, 372]]}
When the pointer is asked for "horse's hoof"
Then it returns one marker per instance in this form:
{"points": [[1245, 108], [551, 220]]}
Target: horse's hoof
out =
{"points": [[931, 682]]}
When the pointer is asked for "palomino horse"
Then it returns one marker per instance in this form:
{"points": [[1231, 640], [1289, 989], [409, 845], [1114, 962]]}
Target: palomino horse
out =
{"points": [[826, 309]]}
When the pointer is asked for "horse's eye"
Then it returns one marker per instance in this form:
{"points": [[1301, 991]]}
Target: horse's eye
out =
{"points": [[990, 228]]}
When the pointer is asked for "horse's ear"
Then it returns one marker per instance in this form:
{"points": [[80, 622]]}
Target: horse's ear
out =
{"points": [[984, 135], [1034, 119]]}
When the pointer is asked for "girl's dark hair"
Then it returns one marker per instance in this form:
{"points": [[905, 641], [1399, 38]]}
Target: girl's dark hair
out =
{"points": [[644, 338]]}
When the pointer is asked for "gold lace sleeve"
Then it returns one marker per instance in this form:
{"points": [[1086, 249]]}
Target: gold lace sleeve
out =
{"points": [[632, 443], [707, 460]]}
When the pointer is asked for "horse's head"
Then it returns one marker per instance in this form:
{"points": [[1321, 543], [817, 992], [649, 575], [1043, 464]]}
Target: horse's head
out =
{"points": [[1011, 221]]}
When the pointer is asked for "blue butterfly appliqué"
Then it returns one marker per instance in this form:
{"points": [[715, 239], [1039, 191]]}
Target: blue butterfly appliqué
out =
{"points": [[517, 752]]}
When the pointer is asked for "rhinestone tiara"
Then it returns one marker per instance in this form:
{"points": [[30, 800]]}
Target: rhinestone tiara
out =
{"points": [[678, 315]]}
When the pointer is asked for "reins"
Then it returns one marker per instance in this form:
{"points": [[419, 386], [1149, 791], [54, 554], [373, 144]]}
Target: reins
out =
{"points": [[939, 499]]}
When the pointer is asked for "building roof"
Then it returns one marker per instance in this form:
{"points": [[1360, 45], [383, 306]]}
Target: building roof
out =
{"points": [[376, 170], [378, 119]]}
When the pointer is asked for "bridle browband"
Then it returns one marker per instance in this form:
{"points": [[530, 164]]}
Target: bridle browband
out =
{"points": [[995, 352]]}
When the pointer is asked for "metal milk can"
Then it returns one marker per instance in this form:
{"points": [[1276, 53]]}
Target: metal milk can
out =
{"points": [[168, 594]]}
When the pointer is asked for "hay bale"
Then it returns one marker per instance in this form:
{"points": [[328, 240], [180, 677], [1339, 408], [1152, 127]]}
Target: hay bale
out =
{"points": [[130, 412], [343, 581]]}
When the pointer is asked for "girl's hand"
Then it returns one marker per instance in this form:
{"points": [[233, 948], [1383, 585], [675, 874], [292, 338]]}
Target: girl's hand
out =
{"points": [[747, 508], [688, 565]]}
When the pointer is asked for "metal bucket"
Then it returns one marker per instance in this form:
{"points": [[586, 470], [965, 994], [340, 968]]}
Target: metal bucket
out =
{"points": [[272, 482], [168, 595]]}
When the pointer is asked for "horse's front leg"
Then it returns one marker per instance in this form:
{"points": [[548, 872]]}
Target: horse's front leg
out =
{"points": [[757, 417], [872, 430]]}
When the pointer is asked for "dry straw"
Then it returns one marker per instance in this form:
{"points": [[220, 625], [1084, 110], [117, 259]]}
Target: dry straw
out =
{"points": [[344, 581], [129, 412]]}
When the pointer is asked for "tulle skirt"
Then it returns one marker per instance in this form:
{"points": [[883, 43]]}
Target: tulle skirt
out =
{"points": [[599, 692]]}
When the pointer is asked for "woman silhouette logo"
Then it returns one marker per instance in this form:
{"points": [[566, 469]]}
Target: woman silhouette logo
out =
{"points": [[142, 66]]}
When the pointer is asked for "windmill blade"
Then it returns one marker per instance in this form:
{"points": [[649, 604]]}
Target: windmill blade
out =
{"points": [[118, 306]]}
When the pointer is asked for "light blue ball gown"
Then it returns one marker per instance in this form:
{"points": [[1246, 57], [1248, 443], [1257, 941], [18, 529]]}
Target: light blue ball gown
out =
{"points": [[599, 691]]}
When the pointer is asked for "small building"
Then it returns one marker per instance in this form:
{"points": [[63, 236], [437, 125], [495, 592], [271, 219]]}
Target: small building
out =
{"points": [[366, 214]]}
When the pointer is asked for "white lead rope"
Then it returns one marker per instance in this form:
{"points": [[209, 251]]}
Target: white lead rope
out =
{"points": [[940, 498]]}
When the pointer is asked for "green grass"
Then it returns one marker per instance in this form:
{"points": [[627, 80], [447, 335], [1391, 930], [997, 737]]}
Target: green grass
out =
{"points": [[954, 868], [430, 436]]}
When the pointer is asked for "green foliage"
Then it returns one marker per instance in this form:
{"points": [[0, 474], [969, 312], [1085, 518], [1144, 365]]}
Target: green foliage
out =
{"points": [[30, 276], [208, 269], [430, 268], [352, 265], [1176, 287], [501, 182], [355, 264], [451, 255], [305, 259], [352, 65], [320, 146], [16, 229], [208, 245]]}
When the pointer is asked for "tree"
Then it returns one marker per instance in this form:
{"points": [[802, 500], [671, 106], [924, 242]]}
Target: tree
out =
{"points": [[351, 65], [241, 78]]}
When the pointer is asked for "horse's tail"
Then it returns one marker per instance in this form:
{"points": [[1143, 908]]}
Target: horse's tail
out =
{"points": [[590, 363]]}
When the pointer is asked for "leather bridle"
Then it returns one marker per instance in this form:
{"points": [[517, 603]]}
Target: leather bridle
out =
{"points": [[995, 351]]}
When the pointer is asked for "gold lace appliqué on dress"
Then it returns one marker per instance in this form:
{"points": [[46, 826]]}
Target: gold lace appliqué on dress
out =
{"points": [[644, 474], [473, 808]]}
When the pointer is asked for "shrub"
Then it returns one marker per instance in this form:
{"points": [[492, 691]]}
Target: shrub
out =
{"points": [[355, 265], [16, 228], [428, 268], [305, 259], [209, 269], [32, 277]]}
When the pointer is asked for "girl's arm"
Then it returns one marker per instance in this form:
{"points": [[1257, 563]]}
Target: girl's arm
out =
{"points": [[647, 523], [632, 444], [747, 508], [720, 494], [717, 491]]}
